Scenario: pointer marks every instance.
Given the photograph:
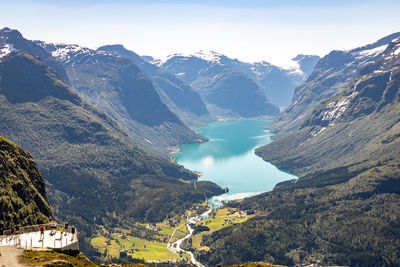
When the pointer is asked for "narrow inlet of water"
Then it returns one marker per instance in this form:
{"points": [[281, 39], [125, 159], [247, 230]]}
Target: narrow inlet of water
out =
{"points": [[228, 158]]}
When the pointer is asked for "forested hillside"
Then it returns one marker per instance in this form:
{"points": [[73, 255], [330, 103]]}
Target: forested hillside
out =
{"points": [[23, 198]]}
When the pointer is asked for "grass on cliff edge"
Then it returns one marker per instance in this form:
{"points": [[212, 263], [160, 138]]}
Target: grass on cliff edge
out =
{"points": [[52, 258]]}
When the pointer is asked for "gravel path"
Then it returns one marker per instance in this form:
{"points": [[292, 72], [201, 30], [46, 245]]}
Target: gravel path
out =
{"points": [[10, 256]]}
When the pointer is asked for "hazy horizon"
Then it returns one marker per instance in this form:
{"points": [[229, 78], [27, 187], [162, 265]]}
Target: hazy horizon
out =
{"points": [[273, 31]]}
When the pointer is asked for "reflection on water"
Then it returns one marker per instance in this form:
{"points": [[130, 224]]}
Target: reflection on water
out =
{"points": [[228, 158]]}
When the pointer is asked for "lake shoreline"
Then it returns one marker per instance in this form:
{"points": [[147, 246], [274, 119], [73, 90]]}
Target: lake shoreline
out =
{"points": [[231, 144]]}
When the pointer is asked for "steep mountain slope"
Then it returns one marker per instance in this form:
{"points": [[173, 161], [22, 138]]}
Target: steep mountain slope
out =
{"points": [[332, 74], [11, 40], [96, 175], [350, 126], [176, 94], [23, 198], [344, 209], [277, 83], [116, 86], [229, 92], [224, 89]]}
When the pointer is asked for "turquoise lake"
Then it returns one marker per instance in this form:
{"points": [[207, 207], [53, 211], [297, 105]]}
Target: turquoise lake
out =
{"points": [[228, 158]]}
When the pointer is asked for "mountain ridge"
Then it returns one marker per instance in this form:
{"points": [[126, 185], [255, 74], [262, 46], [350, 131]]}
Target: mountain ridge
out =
{"points": [[332, 74], [276, 82], [118, 87], [175, 93]]}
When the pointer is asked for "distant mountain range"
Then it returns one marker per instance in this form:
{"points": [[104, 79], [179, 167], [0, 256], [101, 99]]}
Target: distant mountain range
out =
{"points": [[341, 135], [276, 83]]}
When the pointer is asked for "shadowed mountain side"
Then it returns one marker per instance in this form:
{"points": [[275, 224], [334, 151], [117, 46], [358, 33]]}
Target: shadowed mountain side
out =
{"points": [[18, 42], [175, 93], [277, 83], [234, 92], [118, 87]]}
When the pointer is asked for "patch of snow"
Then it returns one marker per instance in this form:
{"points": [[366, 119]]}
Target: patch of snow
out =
{"points": [[315, 133], [371, 52], [397, 51], [68, 53], [336, 109], [394, 52], [63, 52], [210, 56], [6, 49]]}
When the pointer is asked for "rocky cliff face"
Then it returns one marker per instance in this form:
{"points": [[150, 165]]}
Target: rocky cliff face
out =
{"points": [[353, 123], [332, 74], [23, 198]]}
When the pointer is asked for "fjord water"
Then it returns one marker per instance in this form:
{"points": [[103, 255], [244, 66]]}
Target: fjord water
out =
{"points": [[228, 158]]}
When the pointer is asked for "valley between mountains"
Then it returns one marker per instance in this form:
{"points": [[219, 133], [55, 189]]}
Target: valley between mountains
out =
{"points": [[86, 136]]}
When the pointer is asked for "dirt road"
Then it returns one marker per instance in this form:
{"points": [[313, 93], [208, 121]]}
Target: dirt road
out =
{"points": [[10, 256]]}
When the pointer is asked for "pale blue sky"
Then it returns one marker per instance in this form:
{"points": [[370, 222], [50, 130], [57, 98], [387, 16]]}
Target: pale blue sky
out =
{"points": [[251, 30]]}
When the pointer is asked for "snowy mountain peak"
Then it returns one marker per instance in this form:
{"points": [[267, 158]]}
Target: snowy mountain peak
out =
{"points": [[372, 52], [376, 49], [69, 53], [209, 56]]}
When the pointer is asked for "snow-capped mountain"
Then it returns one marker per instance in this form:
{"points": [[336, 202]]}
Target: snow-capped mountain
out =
{"points": [[225, 88], [332, 74], [12, 40], [72, 53], [276, 82]]}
